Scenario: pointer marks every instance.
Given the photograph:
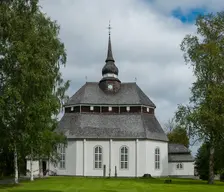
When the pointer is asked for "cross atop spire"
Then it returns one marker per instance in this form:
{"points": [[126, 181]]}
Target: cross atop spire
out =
{"points": [[109, 28]]}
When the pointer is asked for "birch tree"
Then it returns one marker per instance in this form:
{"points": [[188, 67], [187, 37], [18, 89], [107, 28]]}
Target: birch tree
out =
{"points": [[32, 88], [204, 116]]}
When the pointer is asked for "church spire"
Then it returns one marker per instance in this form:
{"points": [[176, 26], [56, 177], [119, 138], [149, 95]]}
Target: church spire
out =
{"points": [[110, 82], [109, 67], [109, 51]]}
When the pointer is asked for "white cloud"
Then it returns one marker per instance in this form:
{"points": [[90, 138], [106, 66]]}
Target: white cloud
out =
{"points": [[145, 44]]}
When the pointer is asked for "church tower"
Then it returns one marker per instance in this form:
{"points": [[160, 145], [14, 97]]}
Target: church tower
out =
{"points": [[110, 82]]}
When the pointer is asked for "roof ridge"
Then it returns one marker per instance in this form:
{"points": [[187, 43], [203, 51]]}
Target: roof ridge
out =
{"points": [[136, 90], [79, 91], [143, 93], [84, 90]]}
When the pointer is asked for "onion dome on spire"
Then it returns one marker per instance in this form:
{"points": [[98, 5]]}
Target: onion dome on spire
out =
{"points": [[109, 67]]}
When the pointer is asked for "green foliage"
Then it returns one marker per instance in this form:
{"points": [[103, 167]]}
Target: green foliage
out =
{"points": [[202, 161], [179, 135], [48, 149], [32, 90], [222, 176], [6, 163], [204, 117]]}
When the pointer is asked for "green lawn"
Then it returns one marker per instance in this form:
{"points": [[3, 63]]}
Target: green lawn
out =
{"points": [[71, 184]]}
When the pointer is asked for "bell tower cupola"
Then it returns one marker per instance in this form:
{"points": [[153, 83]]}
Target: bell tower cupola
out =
{"points": [[110, 82]]}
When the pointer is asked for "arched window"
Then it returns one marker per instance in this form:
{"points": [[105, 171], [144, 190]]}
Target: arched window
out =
{"points": [[98, 157], [157, 158], [180, 166], [124, 157], [61, 149]]}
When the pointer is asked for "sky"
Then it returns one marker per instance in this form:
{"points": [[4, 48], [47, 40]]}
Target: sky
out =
{"points": [[146, 37]]}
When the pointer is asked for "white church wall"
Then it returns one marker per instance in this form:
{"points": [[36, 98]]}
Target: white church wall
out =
{"points": [[131, 158], [35, 167], [70, 161], [141, 169], [89, 163], [115, 158], [52, 168], [187, 170], [150, 158], [141, 159], [79, 157]]}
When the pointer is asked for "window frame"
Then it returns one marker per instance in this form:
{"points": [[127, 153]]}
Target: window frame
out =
{"points": [[124, 162], [157, 164], [98, 156], [178, 167], [62, 154]]}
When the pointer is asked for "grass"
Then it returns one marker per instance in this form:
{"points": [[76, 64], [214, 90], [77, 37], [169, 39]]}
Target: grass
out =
{"points": [[75, 184]]}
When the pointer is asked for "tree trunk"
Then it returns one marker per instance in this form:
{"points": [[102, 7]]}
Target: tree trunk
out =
{"points": [[48, 166], [40, 169], [31, 167], [16, 178], [211, 165]]}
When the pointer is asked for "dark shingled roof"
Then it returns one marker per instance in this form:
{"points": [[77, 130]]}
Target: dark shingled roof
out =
{"points": [[180, 158], [129, 94], [105, 126], [177, 148], [179, 153]]}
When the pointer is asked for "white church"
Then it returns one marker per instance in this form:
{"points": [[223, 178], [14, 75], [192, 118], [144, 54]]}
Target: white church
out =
{"points": [[112, 130]]}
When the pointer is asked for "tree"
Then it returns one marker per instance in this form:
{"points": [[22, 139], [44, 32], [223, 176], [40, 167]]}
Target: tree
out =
{"points": [[178, 135], [169, 125], [32, 88], [204, 116], [6, 162], [49, 148], [202, 161]]}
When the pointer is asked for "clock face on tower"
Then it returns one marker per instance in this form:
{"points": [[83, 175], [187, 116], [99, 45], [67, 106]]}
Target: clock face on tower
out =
{"points": [[110, 86]]}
